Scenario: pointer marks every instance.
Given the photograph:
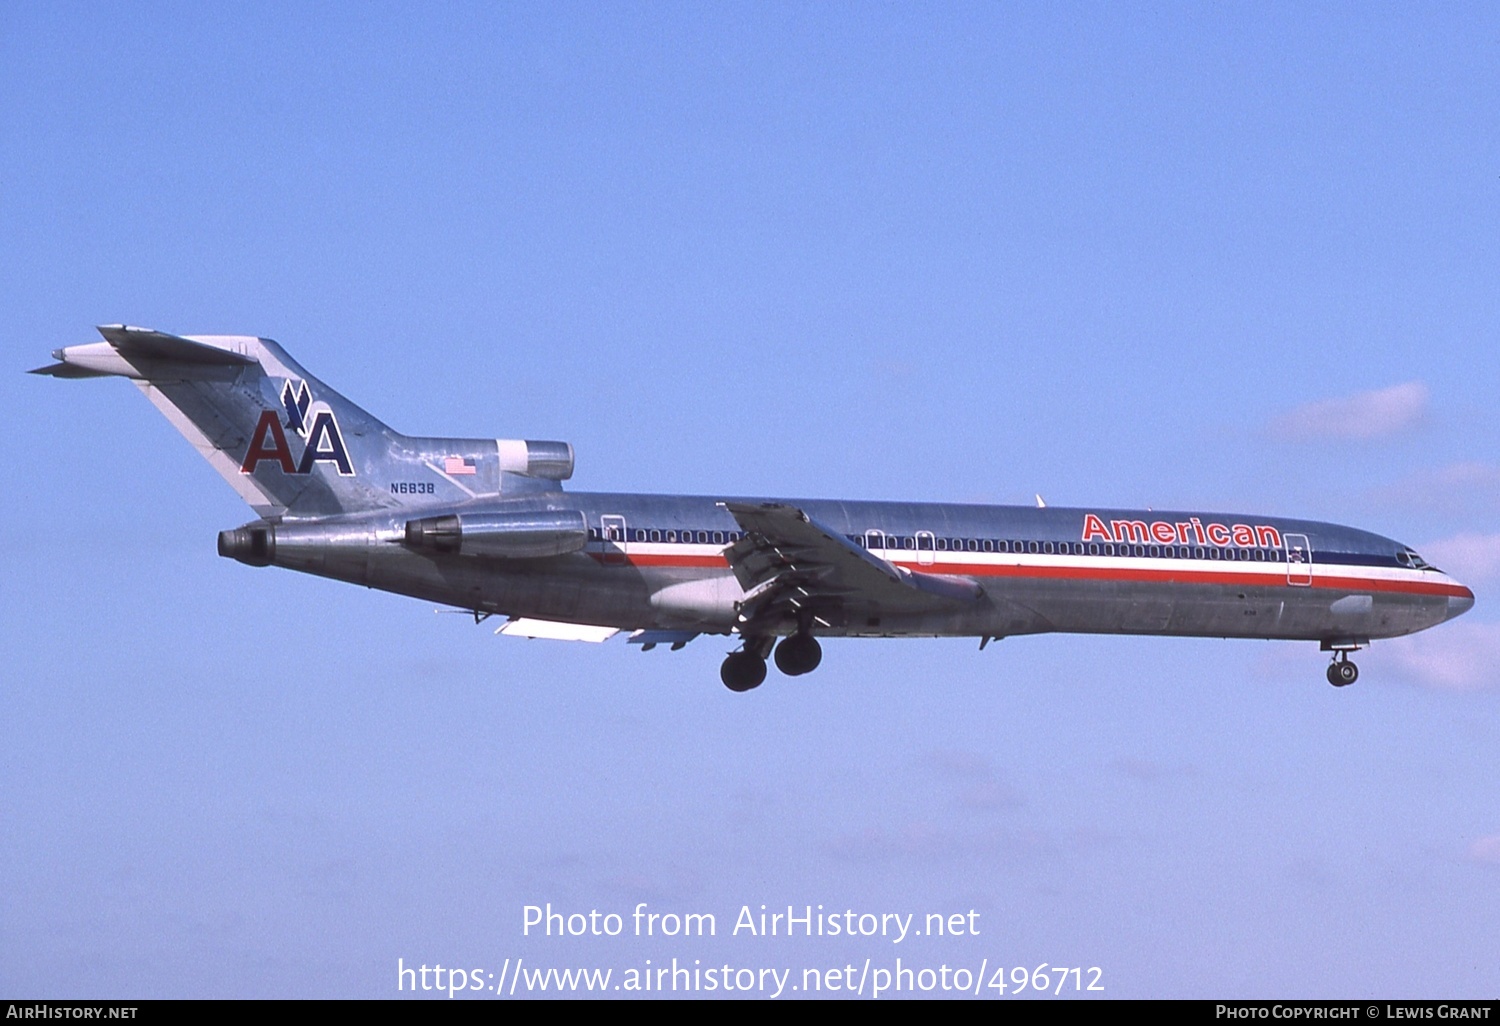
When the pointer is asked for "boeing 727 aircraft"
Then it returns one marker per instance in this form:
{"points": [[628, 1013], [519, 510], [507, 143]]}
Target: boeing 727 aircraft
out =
{"points": [[485, 526]]}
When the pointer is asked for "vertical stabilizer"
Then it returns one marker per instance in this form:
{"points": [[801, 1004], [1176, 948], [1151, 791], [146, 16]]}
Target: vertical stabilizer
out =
{"points": [[289, 445]]}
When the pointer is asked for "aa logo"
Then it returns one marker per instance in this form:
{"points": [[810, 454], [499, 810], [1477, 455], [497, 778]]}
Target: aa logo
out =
{"points": [[321, 438]]}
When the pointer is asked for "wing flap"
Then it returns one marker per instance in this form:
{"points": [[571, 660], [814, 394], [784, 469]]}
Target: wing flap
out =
{"points": [[790, 564], [554, 630]]}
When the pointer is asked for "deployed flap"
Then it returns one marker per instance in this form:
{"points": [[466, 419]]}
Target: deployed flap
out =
{"points": [[525, 627], [788, 562], [649, 639]]}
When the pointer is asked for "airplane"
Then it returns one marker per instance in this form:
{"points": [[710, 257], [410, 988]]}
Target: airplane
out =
{"points": [[484, 526]]}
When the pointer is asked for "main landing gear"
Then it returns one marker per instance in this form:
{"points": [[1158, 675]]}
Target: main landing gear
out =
{"points": [[798, 654], [743, 670], [746, 668], [1342, 672]]}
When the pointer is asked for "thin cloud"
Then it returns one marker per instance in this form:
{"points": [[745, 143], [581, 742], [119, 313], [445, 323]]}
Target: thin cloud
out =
{"points": [[1459, 487], [974, 780], [1456, 657], [989, 795], [929, 842], [1362, 417], [1486, 851], [1471, 557]]}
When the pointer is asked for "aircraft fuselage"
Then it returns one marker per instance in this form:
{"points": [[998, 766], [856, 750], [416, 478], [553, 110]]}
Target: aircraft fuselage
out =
{"points": [[658, 562]]}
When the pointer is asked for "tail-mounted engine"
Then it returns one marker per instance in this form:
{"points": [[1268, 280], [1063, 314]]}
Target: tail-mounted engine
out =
{"points": [[530, 535], [551, 461]]}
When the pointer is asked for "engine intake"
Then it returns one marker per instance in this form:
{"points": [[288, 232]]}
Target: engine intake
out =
{"points": [[552, 461]]}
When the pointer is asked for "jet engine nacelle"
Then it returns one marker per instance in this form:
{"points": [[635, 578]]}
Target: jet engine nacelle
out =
{"points": [[528, 535], [552, 461]]}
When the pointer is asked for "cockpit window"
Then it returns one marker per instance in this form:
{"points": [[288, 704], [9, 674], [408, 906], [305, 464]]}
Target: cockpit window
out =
{"points": [[1409, 557]]}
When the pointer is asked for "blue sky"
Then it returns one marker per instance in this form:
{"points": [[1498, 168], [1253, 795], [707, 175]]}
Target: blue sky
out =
{"points": [[1230, 258]]}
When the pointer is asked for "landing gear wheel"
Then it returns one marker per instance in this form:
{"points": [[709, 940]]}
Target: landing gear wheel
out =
{"points": [[798, 654], [1342, 673], [742, 671]]}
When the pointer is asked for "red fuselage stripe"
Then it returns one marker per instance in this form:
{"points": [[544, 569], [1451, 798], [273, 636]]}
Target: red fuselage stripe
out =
{"points": [[1088, 573]]}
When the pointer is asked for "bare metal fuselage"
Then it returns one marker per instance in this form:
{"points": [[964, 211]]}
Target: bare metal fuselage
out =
{"points": [[1342, 585]]}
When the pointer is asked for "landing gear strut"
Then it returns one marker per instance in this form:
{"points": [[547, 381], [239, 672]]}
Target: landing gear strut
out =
{"points": [[1342, 672], [799, 654]]}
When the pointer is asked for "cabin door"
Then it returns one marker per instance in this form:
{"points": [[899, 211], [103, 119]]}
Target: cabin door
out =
{"points": [[614, 533], [1298, 560]]}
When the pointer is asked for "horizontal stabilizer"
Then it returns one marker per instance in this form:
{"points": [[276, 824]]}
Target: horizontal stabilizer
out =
{"points": [[143, 354], [158, 345], [68, 370]]}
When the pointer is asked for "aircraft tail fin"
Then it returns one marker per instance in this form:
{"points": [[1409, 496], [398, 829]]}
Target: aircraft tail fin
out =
{"points": [[291, 446]]}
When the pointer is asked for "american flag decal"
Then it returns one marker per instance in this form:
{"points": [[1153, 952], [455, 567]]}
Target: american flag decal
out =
{"points": [[454, 465]]}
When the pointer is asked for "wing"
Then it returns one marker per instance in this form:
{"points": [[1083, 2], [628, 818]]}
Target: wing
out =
{"points": [[793, 568]]}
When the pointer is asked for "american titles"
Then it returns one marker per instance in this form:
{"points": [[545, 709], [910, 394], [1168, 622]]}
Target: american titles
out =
{"points": [[1192, 531]]}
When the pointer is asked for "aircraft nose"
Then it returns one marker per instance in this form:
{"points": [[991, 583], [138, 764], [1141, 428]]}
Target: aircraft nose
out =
{"points": [[1458, 605]]}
